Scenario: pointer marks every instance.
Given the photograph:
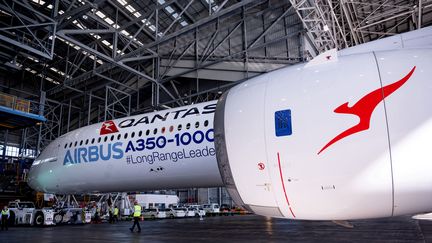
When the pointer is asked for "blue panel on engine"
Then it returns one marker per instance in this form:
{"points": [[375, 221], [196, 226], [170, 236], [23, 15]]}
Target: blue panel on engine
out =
{"points": [[283, 124]]}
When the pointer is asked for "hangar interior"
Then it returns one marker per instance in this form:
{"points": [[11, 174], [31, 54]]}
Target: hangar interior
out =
{"points": [[66, 64]]}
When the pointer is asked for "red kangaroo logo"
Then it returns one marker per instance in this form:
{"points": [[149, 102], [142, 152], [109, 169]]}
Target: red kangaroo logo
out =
{"points": [[365, 107], [108, 127]]}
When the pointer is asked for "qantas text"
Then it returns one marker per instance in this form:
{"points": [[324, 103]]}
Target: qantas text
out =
{"points": [[182, 113]]}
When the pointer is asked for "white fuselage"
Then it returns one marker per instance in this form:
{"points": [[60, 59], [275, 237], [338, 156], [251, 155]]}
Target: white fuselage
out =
{"points": [[166, 149]]}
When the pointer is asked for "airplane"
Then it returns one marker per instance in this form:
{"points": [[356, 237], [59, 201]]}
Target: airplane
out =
{"points": [[345, 136]]}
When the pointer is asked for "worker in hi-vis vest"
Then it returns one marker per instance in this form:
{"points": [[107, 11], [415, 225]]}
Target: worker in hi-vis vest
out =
{"points": [[4, 218], [116, 214], [136, 217]]}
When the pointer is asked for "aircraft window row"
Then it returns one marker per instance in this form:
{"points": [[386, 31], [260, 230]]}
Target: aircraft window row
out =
{"points": [[132, 135]]}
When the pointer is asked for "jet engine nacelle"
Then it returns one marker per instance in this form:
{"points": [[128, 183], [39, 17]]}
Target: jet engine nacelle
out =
{"points": [[342, 139]]}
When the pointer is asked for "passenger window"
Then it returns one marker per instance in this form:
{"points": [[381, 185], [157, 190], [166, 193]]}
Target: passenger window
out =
{"points": [[125, 136], [147, 132], [81, 142], [196, 124], [163, 130], [171, 129], [65, 146], [99, 139], [133, 135], [76, 143], [179, 127], [106, 138], [112, 137], [188, 126], [86, 142], [93, 140], [206, 123], [70, 145], [155, 131], [140, 134], [118, 137]]}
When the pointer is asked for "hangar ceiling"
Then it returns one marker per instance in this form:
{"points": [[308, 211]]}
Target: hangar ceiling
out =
{"points": [[88, 61]]}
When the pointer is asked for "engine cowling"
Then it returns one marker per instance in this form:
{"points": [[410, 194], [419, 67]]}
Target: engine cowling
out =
{"points": [[347, 139]]}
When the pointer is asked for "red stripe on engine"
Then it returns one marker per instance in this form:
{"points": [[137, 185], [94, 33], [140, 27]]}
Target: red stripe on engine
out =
{"points": [[283, 186]]}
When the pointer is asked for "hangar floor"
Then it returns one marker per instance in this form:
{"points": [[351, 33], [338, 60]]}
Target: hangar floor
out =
{"points": [[230, 229]]}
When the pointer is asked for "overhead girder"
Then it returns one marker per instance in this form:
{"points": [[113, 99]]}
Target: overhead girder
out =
{"points": [[24, 23], [343, 23], [209, 51]]}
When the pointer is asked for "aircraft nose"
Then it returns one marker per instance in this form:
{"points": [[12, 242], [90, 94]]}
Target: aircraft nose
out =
{"points": [[34, 179]]}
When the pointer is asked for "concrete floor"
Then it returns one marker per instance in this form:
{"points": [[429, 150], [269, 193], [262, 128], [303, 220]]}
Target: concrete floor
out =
{"points": [[249, 228]]}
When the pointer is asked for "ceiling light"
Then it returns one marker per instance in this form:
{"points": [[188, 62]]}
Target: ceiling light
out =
{"points": [[326, 28], [100, 14], [122, 2], [169, 9], [130, 8], [109, 21]]}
